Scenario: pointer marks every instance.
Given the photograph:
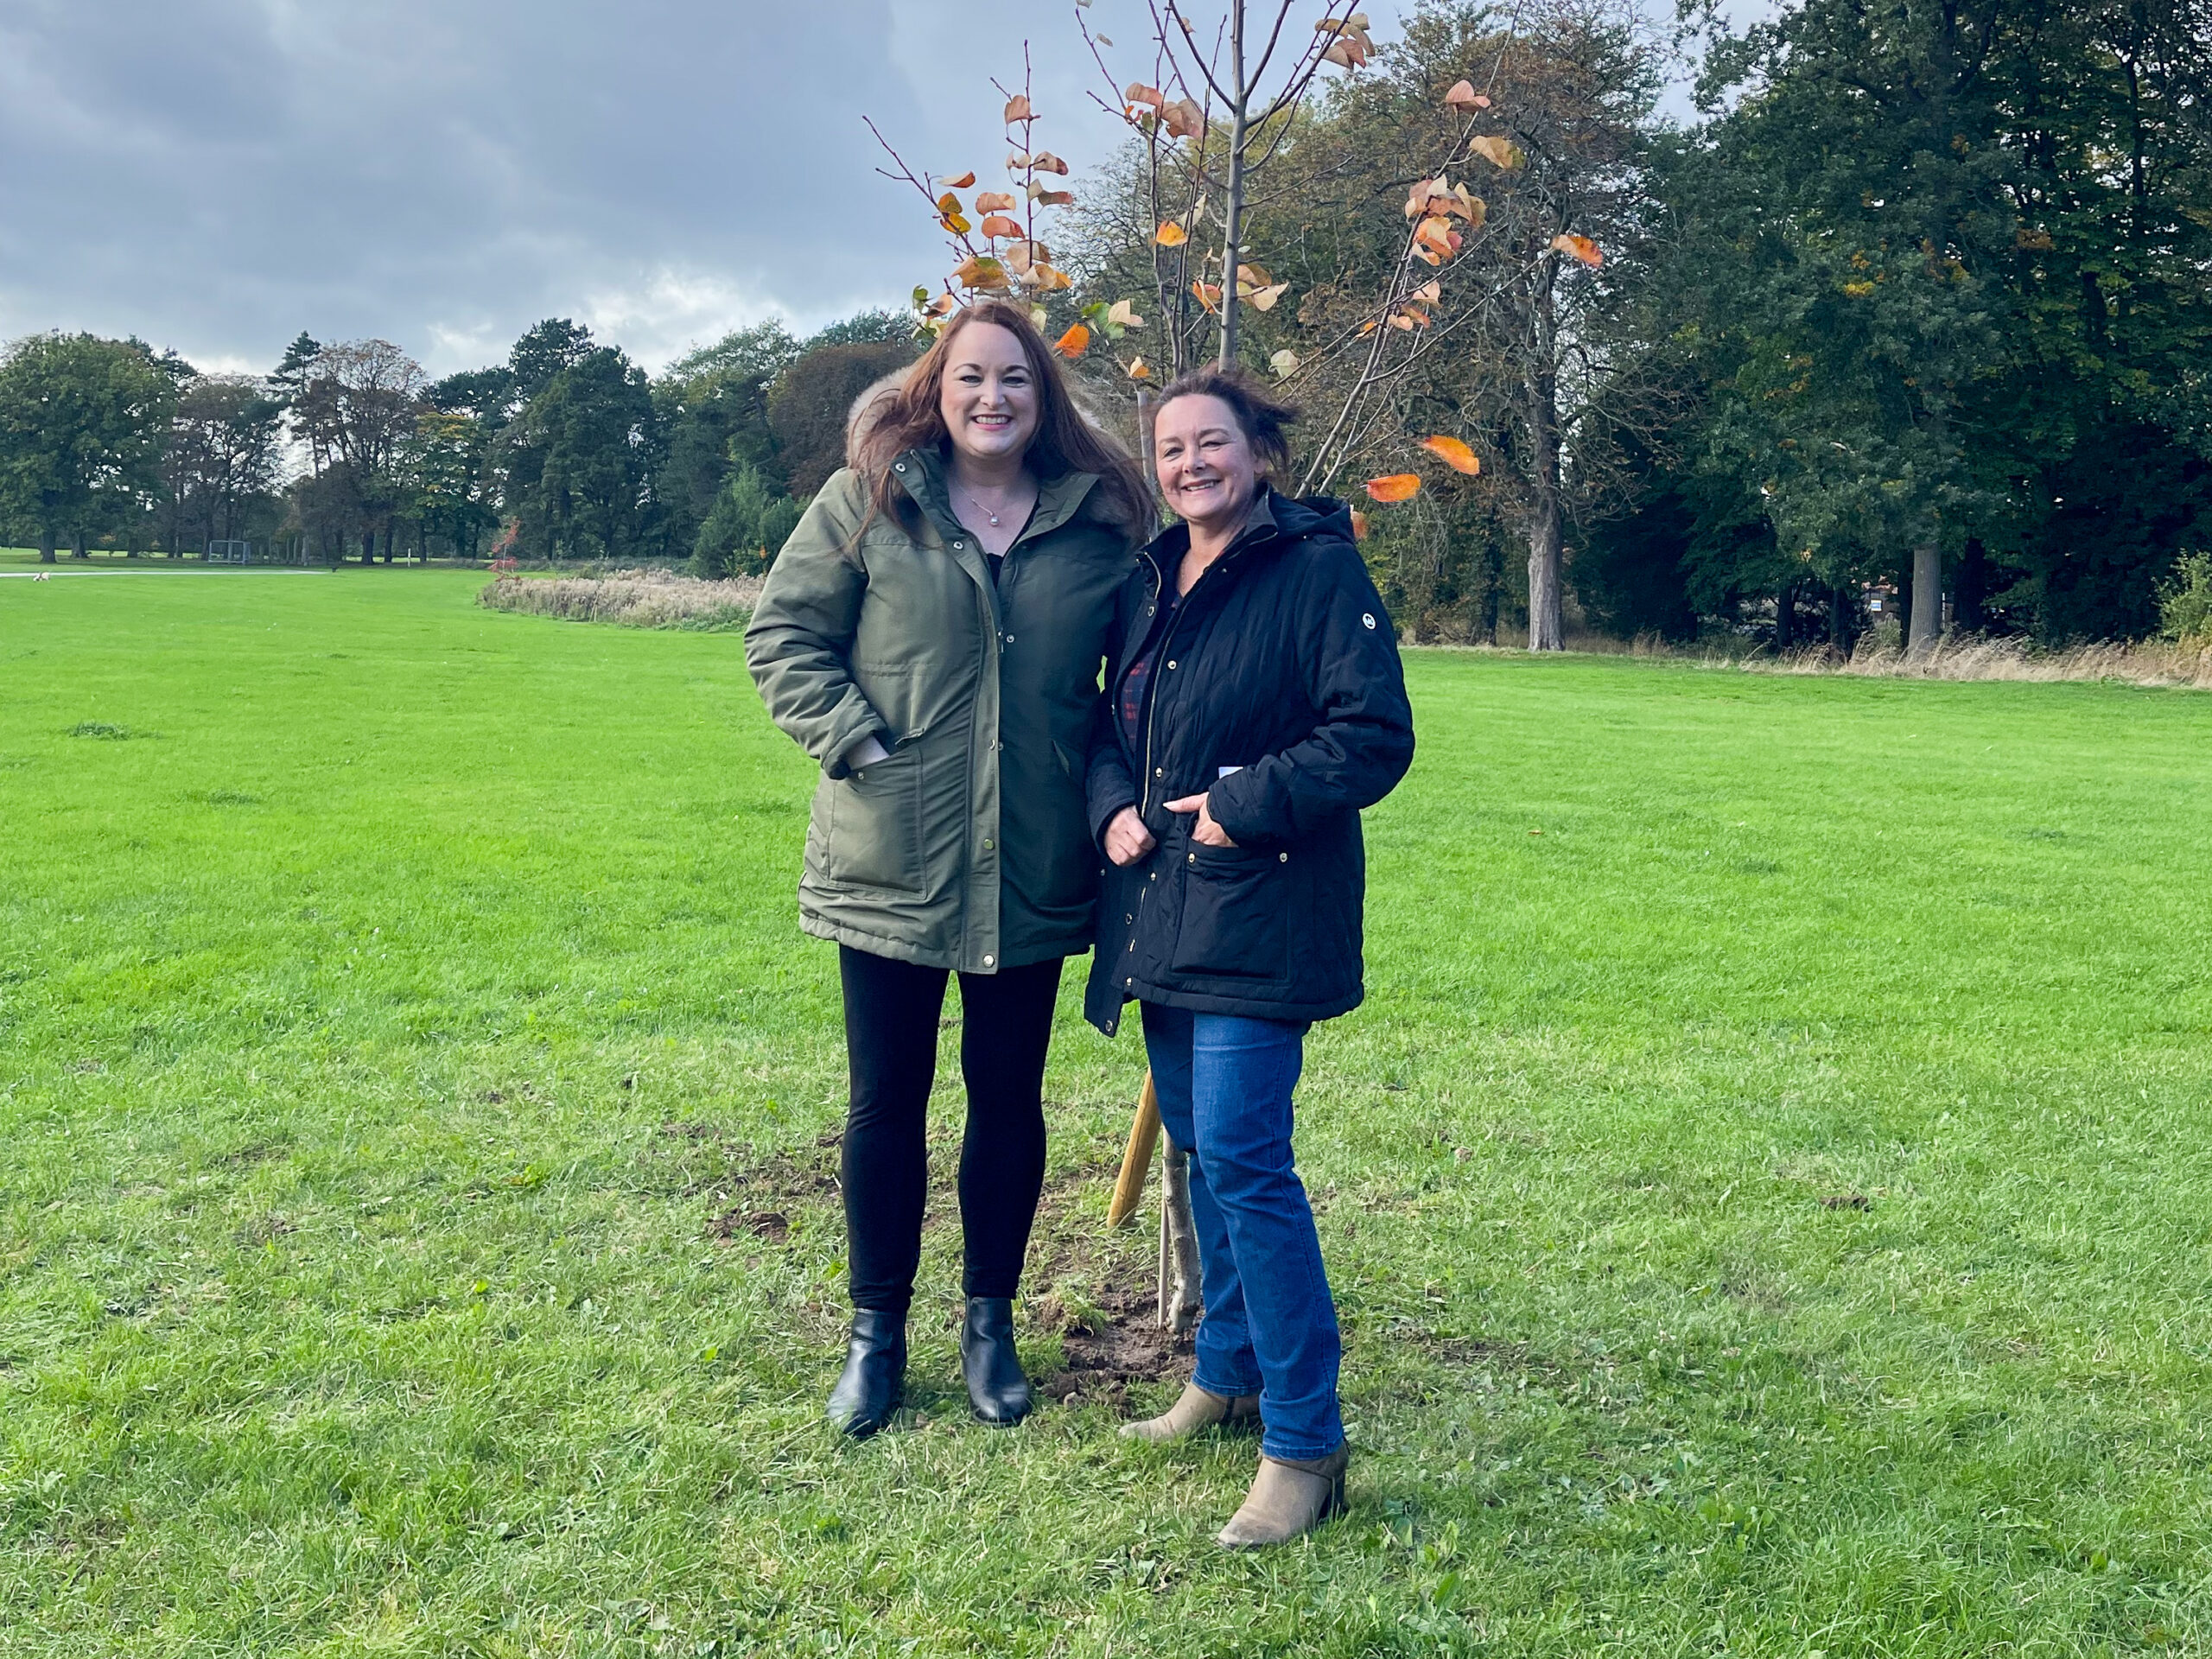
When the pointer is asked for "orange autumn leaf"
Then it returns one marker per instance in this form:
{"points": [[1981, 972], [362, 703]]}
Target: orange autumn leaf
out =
{"points": [[1454, 454], [947, 203], [1056, 198], [963, 181], [1464, 97], [1138, 93], [1435, 239], [1171, 235], [1073, 343], [1017, 108], [996, 201], [1044, 161], [981, 272], [1358, 525], [1208, 295], [999, 225], [1139, 369], [1398, 486], [1499, 152], [1581, 246], [1183, 120]]}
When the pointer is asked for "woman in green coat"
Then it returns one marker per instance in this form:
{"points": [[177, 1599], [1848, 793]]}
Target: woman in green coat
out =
{"points": [[932, 634]]}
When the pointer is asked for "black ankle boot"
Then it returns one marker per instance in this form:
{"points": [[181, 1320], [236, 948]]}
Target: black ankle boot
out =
{"points": [[875, 1378], [998, 1393]]}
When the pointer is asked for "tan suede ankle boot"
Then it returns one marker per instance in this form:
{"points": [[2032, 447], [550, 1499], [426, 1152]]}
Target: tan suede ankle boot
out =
{"points": [[1195, 1410], [1288, 1499]]}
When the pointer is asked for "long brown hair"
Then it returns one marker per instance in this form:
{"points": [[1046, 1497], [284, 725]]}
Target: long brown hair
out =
{"points": [[895, 421]]}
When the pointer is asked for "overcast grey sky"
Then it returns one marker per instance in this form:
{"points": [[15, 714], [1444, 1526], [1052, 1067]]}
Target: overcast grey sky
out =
{"points": [[217, 175]]}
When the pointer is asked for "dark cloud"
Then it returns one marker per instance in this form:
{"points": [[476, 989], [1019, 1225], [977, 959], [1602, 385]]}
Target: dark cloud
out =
{"points": [[217, 175]]}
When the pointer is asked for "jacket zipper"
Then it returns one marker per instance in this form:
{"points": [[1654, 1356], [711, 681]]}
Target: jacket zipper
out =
{"points": [[1159, 658], [1152, 699]]}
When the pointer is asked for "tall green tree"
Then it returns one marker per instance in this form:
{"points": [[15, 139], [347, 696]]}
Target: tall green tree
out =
{"points": [[82, 424], [1950, 278], [224, 452], [713, 406], [580, 461]]}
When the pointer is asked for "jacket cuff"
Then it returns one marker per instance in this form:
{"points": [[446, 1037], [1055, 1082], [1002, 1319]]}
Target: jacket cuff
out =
{"points": [[1102, 818], [854, 722], [1247, 821]]}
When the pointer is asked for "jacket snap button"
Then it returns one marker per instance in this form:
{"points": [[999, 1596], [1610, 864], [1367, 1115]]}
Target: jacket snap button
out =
{"points": [[987, 961], [958, 545], [1129, 916], [1127, 983], [987, 846], [861, 776], [1160, 771], [1132, 945], [1171, 662], [1193, 858], [1283, 858]]}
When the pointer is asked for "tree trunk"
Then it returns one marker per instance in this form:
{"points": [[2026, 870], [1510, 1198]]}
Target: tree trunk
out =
{"points": [[1547, 601], [1927, 621], [45, 544], [1785, 617], [1839, 619], [77, 543], [1179, 1244], [1232, 234], [1546, 617]]}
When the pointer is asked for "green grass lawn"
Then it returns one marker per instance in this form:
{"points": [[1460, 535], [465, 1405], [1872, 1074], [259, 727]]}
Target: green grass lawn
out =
{"points": [[1769, 1189]]}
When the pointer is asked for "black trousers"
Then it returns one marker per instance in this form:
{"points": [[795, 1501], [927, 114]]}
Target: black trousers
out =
{"points": [[891, 1023]]}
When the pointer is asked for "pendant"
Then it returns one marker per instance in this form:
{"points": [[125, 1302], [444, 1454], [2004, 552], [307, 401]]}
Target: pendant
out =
{"points": [[994, 520]]}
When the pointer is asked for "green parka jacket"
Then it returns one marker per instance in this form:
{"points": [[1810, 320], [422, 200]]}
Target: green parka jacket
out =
{"points": [[967, 848]]}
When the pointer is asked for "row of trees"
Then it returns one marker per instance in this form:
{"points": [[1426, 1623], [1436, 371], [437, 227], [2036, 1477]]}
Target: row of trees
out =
{"points": [[567, 450], [1920, 309]]}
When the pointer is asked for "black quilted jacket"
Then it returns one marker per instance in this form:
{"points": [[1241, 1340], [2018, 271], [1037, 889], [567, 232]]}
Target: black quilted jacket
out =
{"points": [[1282, 664]]}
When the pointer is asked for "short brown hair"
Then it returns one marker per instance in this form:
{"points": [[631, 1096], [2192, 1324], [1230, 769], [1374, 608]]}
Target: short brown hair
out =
{"points": [[909, 418], [1263, 417]]}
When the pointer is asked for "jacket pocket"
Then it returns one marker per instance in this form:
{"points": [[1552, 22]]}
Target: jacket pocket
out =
{"points": [[874, 836], [1236, 918]]}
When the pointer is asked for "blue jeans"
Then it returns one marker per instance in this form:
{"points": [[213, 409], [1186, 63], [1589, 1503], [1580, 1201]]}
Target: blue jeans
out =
{"points": [[1224, 1086]]}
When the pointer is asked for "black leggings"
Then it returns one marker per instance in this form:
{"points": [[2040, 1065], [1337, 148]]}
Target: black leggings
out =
{"points": [[890, 1016]]}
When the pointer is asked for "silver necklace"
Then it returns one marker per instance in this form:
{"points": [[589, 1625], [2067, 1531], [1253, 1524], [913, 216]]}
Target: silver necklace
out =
{"points": [[978, 506]]}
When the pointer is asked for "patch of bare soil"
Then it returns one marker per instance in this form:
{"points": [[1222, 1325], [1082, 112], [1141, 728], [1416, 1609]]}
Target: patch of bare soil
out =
{"points": [[772, 1225], [1107, 1332], [1112, 1344]]}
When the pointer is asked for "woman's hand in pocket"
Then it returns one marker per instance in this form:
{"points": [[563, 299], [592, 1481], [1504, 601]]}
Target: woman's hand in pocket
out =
{"points": [[1205, 831], [1127, 839]]}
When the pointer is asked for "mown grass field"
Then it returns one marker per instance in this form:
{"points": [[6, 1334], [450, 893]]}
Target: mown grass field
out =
{"points": [[1767, 1189]]}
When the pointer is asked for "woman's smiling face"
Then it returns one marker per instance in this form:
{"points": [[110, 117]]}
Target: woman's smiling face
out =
{"points": [[1204, 461], [988, 398]]}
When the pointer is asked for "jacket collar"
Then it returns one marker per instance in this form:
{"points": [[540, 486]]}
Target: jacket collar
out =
{"points": [[1274, 517], [926, 477]]}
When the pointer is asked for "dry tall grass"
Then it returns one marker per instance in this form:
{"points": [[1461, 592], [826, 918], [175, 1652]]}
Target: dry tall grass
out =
{"points": [[635, 599], [2150, 662]]}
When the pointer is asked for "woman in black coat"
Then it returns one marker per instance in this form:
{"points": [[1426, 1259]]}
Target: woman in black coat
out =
{"points": [[1254, 704]]}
